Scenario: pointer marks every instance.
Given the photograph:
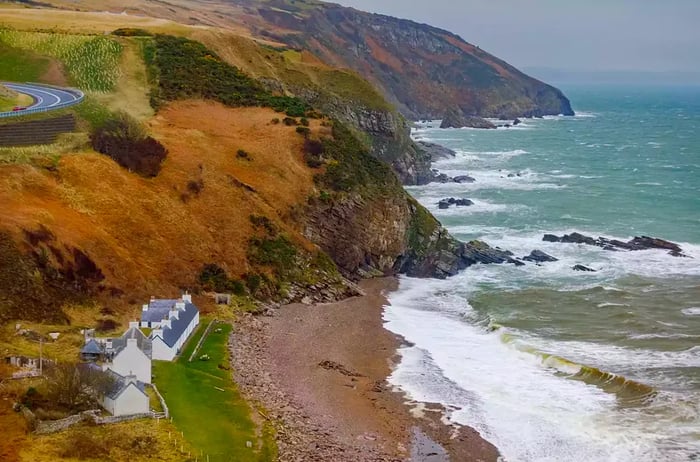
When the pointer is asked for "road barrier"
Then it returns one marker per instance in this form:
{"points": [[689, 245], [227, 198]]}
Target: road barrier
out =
{"points": [[80, 96]]}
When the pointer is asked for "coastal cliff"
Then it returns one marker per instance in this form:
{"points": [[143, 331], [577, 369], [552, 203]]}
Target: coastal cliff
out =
{"points": [[423, 70]]}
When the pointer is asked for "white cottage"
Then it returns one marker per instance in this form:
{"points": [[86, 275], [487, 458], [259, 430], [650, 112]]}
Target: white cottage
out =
{"points": [[129, 355], [126, 396], [172, 322]]}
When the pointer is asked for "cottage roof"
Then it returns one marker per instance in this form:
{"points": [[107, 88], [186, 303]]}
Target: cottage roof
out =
{"points": [[92, 348], [178, 326], [143, 342], [158, 310], [120, 384]]}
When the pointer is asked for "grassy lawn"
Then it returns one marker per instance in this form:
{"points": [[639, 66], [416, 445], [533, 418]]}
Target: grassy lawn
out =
{"points": [[20, 66], [217, 423]]}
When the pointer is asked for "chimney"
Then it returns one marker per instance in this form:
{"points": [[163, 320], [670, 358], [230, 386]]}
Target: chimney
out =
{"points": [[165, 324], [175, 314], [186, 297], [180, 306], [145, 308], [133, 324]]}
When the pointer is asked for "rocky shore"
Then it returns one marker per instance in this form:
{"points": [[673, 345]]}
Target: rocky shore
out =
{"points": [[319, 373]]}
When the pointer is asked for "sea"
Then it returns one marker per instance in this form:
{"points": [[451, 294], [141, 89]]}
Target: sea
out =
{"points": [[548, 363]]}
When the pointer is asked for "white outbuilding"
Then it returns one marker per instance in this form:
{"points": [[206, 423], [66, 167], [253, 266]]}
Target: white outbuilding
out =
{"points": [[126, 395]]}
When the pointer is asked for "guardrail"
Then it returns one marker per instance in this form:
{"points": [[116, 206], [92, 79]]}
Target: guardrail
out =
{"points": [[80, 96]]}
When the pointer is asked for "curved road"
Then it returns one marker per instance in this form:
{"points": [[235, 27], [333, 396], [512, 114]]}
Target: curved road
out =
{"points": [[45, 97]]}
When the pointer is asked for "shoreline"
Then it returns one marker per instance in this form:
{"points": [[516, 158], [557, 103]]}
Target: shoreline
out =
{"points": [[319, 372]]}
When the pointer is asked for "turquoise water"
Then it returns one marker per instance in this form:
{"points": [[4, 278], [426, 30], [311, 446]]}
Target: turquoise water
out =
{"points": [[549, 363]]}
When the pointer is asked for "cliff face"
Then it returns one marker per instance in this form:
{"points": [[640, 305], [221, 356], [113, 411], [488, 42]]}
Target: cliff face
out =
{"points": [[340, 93], [423, 70]]}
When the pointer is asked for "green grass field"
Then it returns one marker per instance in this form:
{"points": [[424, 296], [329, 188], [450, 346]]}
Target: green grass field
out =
{"points": [[217, 423], [20, 66]]}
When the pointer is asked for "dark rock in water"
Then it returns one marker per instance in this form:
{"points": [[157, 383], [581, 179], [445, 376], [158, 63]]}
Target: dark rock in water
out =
{"points": [[435, 151], [442, 178], [551, 238], [654, 243], [506, 126], [456, 119], [538, 256], [517, 122], [463, 179], [511, 175], [446, 203], [583, 268], [576, 238], [480, 252], [638, 243]]}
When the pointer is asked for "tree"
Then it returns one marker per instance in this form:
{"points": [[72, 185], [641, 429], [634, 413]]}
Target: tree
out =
{"points": [[76, 386]]}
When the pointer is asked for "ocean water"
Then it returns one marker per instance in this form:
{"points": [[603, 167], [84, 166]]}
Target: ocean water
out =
{"points": [[547, 363]]}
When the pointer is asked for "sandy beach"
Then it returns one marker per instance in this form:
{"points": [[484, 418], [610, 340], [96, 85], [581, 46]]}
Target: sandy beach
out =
{"points": [[320, 373]]}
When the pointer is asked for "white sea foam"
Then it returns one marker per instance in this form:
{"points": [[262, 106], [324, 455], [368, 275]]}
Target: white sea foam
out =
{"points": [[511, 397], [692, 311], [490, 179]]}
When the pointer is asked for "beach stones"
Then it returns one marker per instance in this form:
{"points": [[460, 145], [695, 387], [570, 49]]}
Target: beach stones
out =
{"points": [[583, 268]]}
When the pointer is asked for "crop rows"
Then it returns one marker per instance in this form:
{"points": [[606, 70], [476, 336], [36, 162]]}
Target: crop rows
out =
{"points": [[92, 62]]}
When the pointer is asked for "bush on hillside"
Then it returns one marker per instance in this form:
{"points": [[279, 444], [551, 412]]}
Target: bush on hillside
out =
{"points": [[131, 32], [125, 140], [214, 278], [187, 69], [350, 165]]}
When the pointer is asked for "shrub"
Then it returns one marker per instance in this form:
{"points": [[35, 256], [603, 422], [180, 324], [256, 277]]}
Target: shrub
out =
{"points": [[351, 166], [260, 221], [124, 140], [187, 69], [213, 277], [241, 154], [313, 150], [106, 325], [288, 121], [131, 32], [277, 253], [195, 187], [303, 131], [275, 121], [304, 121]]}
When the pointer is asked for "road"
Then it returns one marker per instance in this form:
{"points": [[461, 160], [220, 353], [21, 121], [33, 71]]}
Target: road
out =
{"points": [[45, 97]]}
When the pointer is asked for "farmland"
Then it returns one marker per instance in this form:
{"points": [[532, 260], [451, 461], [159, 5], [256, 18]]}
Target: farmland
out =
{"points": [[91, 61]]}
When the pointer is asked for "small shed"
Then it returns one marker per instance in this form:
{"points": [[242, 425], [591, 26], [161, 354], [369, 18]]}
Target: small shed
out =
{"points": [[91, 351]]}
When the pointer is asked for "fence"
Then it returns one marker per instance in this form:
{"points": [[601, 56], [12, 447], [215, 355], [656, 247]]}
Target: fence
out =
{"points": [[80, 96]]}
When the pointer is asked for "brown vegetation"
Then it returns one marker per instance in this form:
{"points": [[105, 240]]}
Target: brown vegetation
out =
{"points": [[138, 233]]}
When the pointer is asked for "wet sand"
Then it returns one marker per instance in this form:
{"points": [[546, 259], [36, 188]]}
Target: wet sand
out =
{"points": [[320, 372]]}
